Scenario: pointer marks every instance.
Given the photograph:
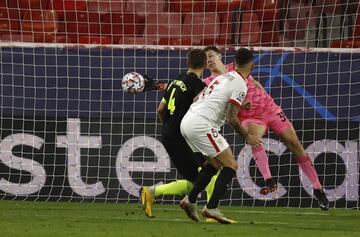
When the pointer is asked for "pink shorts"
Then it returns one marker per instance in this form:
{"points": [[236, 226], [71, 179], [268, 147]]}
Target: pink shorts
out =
{"points": [[277, 121]]}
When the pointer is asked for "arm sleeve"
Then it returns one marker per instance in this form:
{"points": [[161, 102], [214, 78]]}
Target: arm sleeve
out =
{"points": [[238, 92]]}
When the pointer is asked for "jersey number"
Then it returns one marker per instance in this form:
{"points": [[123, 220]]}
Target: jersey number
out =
{"points": [[282, 116], [171, 104], [210, 89]]}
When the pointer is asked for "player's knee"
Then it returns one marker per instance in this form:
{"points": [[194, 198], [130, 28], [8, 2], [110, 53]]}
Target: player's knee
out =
{"points": [[231, 164], [217, 165], [234, 165], [214, 163]]}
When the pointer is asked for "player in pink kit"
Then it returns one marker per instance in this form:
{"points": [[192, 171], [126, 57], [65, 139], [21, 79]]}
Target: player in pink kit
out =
{"points": [[259, 114]]}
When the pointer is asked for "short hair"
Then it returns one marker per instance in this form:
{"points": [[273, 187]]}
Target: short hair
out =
{"points": [[213, 48], [243, 56], [196, 58]]}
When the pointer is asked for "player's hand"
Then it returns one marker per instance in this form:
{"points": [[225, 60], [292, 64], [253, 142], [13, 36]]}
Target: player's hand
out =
{"points": [[150, 84], [254, 141], [246, 105], [131, 91]]}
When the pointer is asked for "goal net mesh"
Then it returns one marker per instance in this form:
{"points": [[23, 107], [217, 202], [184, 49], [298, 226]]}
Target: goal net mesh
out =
{"points": [[69, 132]]}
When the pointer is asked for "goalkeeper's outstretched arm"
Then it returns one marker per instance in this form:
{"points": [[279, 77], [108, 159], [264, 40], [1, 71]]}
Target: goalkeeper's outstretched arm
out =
{"points": [[151, 84]]}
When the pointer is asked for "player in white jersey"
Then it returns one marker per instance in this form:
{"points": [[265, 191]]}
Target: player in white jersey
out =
{"points": [[200, 127]]}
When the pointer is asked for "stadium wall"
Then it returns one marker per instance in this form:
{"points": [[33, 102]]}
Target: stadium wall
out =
{"points": [[69, 133]]}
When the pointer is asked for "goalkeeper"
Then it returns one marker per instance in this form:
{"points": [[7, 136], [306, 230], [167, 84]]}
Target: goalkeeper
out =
{"points": [[150, 85], [178, 96]]}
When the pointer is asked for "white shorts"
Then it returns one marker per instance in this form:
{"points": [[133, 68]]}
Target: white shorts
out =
{"points": [[201, 136]]}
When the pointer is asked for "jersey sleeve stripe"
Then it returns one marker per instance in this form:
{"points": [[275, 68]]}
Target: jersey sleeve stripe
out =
{"points": [[213, 143], [232, 101], [164, 101]]}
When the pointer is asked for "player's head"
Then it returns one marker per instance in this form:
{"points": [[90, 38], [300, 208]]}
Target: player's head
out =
{"points": [[244, 59], [214, 57], [196, 59]]}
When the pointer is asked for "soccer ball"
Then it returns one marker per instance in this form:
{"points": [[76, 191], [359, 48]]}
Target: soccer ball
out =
{"points": [[133, 82]]}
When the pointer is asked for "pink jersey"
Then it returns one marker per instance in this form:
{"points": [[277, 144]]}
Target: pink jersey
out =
{"points": [[262, 103], [229, 68]]}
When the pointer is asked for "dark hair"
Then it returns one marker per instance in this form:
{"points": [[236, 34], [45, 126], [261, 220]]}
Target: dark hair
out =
{"points": [[243, 56], [196, 58], [213, 48]]}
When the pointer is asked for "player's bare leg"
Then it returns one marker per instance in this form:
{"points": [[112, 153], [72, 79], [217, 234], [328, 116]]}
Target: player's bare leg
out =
{"points": [[261, 158], [292, 142], [229, 166]]}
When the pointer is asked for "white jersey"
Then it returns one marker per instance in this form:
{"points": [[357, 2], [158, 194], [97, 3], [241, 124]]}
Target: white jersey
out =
{"points": [[213, 102]]}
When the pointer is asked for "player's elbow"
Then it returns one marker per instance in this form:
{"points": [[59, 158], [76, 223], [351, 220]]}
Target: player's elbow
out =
{"points": [[161, 114], [161, 117], [160, 110], [232, 120]]}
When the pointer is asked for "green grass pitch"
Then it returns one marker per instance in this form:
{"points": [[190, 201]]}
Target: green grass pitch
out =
{"points": [[19, 218]]}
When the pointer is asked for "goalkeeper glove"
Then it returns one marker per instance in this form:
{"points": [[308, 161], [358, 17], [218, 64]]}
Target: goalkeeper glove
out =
{"points": [[150, 84]]}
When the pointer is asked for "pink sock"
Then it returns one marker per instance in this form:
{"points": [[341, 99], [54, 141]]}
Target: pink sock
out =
{"points": [[262, 161], [309, 170]]}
